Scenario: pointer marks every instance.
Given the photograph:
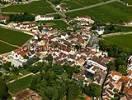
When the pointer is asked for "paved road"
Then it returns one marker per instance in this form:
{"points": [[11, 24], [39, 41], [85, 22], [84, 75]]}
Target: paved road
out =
{"points": [[83, 8], [6, 27], [20, 78], [92, 6], [119, 33], [54, 7]]}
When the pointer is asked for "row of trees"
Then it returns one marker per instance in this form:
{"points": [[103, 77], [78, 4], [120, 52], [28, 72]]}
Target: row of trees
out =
{"points": [[21, 17], [120, 55], [111, 28], [3, 90]]}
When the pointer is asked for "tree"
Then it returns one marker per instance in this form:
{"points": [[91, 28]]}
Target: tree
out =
{"points": [[56, 83], [122, 69], [22, 17], [69, 70], [93, 90], [111, 66], [49, 58], [73, 90], [3, 90]]}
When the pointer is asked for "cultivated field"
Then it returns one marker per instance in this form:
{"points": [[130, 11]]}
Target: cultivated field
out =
{"points": [[11, 37], [122, 41], [20, 84], [5, 48], [73, 4], [36, 7], [114, 12]]}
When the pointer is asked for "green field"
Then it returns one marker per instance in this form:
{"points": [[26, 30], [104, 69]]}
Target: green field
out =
{"points": [[20, 84], [12, 37], [73, 4], [36, 7], [5, 48], [114, 12], [59, 24], [122, 41]]}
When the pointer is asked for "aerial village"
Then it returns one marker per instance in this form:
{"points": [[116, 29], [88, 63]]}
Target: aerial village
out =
{"points": [[75, 47]]}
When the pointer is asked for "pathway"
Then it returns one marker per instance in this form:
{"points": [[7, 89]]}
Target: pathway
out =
{"points": [[16, 46], [92, 6], [54, 7], [118, 33], [20, 78], [6, 27]]}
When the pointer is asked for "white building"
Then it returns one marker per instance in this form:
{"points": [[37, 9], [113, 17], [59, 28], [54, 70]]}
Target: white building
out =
{"points": [[129, 63], [43, 18], [85, 19], [95, 66], [16, 60]]}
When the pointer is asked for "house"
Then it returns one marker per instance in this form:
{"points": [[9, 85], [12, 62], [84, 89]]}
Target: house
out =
{"points": [[100, 31], [95, 71], [88, 98], [117, 83], [62, 7], [94, 67], [112, 85], [3, 19], [27, 94], [84, 19], [43, 18]]}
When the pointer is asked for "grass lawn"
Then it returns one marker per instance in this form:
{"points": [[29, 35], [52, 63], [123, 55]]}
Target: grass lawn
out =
{"points": [[73, 4], [122, 41], [20, 84], [36, 7], [13, 37], [59, 24], [114, 12], [5, 48]]}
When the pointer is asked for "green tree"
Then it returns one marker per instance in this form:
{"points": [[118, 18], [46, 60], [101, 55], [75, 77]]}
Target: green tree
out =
{"points": [[49, 58], [55, 81], [93, 90], [111, 66], [21, 17], [3, 90], [73, 91], [122, 69]]}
